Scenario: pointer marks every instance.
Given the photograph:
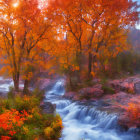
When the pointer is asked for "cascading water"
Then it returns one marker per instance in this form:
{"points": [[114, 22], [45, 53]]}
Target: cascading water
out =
{"points": [[82, 122]]}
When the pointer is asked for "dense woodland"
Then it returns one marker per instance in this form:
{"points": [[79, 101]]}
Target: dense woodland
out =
{"points": [[77, 39]]}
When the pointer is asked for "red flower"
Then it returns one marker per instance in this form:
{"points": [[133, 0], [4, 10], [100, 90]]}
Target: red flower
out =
{"points": [[5, 138]]}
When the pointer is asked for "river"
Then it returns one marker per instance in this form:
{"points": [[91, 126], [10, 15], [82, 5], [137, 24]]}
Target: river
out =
{"points": [[81, 121], [86, 122]]}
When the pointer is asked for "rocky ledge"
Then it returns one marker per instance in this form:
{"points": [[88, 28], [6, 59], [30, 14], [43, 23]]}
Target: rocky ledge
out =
{"points": [[48, 107]]}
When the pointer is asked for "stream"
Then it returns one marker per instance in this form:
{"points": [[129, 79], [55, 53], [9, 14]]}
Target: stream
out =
{"points": [[86, 122], [81, 121]]}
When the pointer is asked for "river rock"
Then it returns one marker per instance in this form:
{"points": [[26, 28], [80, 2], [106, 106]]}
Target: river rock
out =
{"points": [[95, 91], [70, 95], [48, 107], [131, 85]]}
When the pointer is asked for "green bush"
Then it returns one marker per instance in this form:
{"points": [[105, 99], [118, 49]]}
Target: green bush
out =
{"points": [[10, 94], [38, 93], [53, 132], [108, 90], [37, 124]]}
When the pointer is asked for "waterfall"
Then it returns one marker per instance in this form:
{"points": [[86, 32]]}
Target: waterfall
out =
{"points": [[82, 122]]}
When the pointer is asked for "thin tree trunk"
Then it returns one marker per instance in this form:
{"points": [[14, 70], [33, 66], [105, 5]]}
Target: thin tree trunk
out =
{"points": [[16, 82], [26, 87], [89, 65]]}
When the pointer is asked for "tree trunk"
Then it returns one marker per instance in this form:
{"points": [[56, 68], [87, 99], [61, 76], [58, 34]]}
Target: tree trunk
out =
{"points": [[78, 58], [16, 82], [26, 86], [89, 65], [16, 85]]}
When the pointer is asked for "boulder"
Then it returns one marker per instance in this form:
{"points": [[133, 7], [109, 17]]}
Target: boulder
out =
{"points": [[131, 85], [48, 107], [95, 91], [70, 95]]}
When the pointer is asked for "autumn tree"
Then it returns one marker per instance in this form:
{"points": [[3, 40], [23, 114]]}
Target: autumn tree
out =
{"points": [[97, 27], [24, 29]]}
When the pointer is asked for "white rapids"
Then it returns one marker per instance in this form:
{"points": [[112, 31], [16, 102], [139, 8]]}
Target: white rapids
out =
{"points": [[82, 122]]}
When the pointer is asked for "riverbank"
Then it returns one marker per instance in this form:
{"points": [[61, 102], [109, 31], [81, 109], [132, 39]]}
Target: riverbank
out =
{"points": [[113, 96], [86, 120], [24, 117]]}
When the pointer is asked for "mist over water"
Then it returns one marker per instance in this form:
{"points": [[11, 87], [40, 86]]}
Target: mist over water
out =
{"points": [[82, 122], [5, 84]]}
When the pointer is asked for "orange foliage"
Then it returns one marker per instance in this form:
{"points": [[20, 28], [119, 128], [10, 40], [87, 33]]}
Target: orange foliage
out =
{"points": [[10, 120], [94, 28], [68, 31], [133, 111]]}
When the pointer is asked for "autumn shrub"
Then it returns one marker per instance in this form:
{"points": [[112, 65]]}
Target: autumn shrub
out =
{"points": [[20, 103], [108, 89], [21, 118], [10, 93], [38, 93], [105, 87], [133, 111], [12, 122], [53, 132], [26, 102]]}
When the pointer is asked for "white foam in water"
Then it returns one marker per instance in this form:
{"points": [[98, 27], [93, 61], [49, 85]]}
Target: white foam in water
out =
{"points": [[84, 123], [58, 88]]}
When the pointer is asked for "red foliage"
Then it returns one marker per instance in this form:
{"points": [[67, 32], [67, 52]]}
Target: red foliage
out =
{"points": [[5, 138], [133, 111], [10, 120]]}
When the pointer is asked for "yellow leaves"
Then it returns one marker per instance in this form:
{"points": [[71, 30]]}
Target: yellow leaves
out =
{"points": [[25, 129], [48, 132]]}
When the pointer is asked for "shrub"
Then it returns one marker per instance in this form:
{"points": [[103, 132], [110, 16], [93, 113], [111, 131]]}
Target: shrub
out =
{"points": [[133, 111], [54, 131], [21, 119], [38, 93], [10, 94], [108, 90], [26, 102], [12, 122]]}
